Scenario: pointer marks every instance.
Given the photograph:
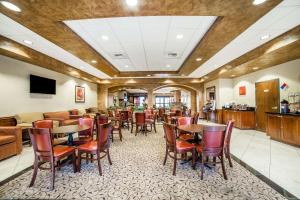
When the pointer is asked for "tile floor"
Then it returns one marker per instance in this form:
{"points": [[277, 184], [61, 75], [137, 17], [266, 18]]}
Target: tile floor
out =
{"points": [[277, 161]]}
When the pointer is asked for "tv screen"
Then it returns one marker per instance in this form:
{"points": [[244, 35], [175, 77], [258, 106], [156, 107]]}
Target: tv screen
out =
{"points": [[42, 85]]}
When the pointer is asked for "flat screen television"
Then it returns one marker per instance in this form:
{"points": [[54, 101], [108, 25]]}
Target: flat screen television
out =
{"points": [[42, 85]]}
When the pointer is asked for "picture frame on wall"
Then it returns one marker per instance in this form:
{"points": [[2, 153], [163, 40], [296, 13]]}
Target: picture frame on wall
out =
{"points": [[242, 90], [79, 94]]}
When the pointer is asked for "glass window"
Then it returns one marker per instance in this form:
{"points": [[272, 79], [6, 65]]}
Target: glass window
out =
{"points": [[162, 102]]}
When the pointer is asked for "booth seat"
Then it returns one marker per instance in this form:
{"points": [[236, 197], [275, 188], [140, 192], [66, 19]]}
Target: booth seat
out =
{"points": [[10, 141], [63, 117], [25, 120]]}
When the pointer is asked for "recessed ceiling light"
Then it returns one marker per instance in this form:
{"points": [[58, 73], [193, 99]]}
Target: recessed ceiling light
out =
{"points": [[94, 61], [255, 68], [264, 37], [168, 66], [257, 2], [148, 75], [104, 37], [131, 2], [126, 66], [10, 6], [205, 77], [198, 59], [179, 36], [232, 75], [27, 42]]}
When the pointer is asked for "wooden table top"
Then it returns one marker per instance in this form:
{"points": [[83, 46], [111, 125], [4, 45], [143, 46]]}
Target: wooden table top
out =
{"points": [[197, 128], [70, 129]]}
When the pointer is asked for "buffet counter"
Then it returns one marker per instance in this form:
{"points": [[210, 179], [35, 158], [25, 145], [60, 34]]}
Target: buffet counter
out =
{"points": [[284, 127], [243, 119]]}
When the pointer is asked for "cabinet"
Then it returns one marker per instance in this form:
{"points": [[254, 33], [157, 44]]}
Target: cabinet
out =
{"points": [[284, 128], [242, 119]]}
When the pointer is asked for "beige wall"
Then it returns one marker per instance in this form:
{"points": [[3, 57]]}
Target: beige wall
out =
{"points": [[15, 96]]}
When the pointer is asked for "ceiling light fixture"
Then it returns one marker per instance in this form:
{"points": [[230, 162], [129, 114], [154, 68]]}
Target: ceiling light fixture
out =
{"points": [[168, 66], [179, 36], [264, 37], [131, 2], [126, 66], [198, 59], [205, 77], [10, 6], [104, 37], [148, 75], [232, 75], [94, 61], [257, 2], [27, 42], [255, 68]]}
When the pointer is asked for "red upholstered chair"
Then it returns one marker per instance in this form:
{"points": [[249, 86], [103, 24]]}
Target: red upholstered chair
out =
{"points": [[185, 121], [87, 135], [212, 146], [124, 118], [228, 132], [101, 119], [167, 118], [161, 112], [140, 121], [47, 123], [178, 113], [176, 147], [116, 128], [151, 120], [101, 145], [41, 139], [110, 113]]}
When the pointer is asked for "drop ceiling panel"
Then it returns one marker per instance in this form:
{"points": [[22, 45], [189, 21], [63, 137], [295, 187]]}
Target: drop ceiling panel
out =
{"points": [[145, 41], [279, 20]]}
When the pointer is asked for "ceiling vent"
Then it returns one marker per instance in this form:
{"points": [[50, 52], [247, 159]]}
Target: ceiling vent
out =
{"points": [[172, 55], [119, 55]]}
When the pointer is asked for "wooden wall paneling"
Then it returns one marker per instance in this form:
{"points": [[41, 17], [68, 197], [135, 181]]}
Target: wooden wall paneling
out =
{"points": [[290, 129]]}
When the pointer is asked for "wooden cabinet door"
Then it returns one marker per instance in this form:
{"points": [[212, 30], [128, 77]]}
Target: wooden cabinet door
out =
{"points": [[290, 129], [274, 126]]}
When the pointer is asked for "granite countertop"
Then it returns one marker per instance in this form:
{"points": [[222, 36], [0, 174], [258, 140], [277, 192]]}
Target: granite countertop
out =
{"points": [[252, 110], [278, 113]]}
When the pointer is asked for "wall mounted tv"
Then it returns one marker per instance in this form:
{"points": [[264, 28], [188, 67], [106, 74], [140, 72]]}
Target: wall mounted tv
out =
{"points": [[42, 85]]}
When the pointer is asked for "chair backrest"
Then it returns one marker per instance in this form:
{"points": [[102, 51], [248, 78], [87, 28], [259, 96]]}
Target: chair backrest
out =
{"points": [[43, 124], [140, 118], [166, 118], [124, 115], [184, 121], [101, 119], [213, 140], [196, 117], [41, 142], [103, 133], [161, 112], [110, 113], [89, 122], [228, 132], [170, 134]]}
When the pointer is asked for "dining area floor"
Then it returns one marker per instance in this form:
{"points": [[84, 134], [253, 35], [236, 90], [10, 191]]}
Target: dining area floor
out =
{"points": [[137, 172]]}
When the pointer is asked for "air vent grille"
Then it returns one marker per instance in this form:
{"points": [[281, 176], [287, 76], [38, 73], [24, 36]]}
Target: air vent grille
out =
{"points": [[119, 55]]}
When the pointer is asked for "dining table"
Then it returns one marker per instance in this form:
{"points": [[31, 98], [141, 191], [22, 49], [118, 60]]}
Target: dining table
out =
{"points": [[70, 130]]}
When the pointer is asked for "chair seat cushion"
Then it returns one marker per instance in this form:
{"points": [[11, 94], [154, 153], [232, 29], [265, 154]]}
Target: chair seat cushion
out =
{"points": [[59, 141], [186, 136], [89, 146], [184, 146], [61, 151], [199, 148], [149, 121], [70, 122], [5, 139]]}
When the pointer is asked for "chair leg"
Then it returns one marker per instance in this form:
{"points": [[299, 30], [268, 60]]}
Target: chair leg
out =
{"points": [[202, 166], [52, 175], [108, 156], [136, 129], [112, 135], [227, 155], [74, 162], [223, 167], [131, 128], [35, 170], [154, 127], [214, 161], [194, 158], [87, 158], [128, 125], [175, 163], [166, 156], [92, 158], [99, 163], [79, 161], [120, 135]]}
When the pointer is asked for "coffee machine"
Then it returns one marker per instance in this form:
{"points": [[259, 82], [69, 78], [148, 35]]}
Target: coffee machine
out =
{"points": [[284, 106]]}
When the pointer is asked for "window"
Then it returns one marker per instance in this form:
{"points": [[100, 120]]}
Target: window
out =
{"points": [[162, 102], [138, 101]]}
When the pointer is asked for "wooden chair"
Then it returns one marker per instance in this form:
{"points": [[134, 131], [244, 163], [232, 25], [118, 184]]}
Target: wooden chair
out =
{"points": [[41, 139], [176, 147], [101, 119], [140, 121], [178, 113], [196, 117], [116, 127], [98, 146], [212, 145], [151, 122], [185, 121], [161, 112], [228, 132], [124, 118], [87, 135]]}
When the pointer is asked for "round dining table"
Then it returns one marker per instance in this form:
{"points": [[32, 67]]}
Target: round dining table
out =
{"points": [[70, 130], [196, 129]]}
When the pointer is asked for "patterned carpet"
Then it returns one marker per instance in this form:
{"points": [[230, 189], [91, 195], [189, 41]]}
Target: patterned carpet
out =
{"points": [[137, 173]]}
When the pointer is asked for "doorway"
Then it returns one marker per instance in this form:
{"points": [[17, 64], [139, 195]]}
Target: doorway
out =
{"points": [[267, 98]]}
